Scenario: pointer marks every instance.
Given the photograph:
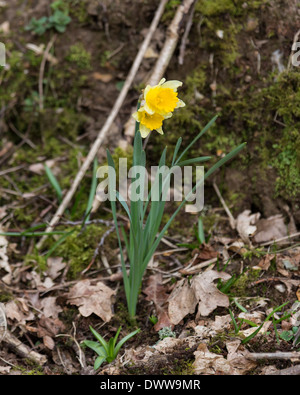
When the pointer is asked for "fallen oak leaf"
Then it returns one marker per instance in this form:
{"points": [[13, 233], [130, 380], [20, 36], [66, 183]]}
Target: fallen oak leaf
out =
{"points": [[269, 229], [265, 262], [207, 293], [91, 299], [200, 291], [245, 225]]}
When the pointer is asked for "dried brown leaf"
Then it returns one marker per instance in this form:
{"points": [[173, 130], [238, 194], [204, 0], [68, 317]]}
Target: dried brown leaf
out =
{"points": [[269, 229], [182, 301], [207, 293], [245, 225], [92, 299]]}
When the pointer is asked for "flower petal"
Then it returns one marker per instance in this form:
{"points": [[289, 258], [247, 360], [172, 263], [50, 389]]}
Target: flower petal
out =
{"points": [[144, 131], [162, 81], [160, 130], [136, 116], [169, 115], [148, 109], [180, 104], [173, 84]]}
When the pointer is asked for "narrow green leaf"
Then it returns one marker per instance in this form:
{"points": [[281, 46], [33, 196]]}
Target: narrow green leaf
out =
{"points": [[124, 204], [211, 122], [92, 191], [178, 144], [100, 339], [53, 182], [195, 160], [201, 231], [95, 346], [58, 242], [121, 342], [99, 361]]}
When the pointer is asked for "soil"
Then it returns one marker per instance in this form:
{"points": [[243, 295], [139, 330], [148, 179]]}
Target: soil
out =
{"points": [[94, 55]]}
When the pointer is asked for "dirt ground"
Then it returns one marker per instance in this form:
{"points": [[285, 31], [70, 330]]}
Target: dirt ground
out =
{"points": [[237, 62]]}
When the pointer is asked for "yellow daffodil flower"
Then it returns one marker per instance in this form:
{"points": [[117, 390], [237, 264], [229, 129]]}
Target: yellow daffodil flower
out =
{"points": [[149, 122], [162, 98]]}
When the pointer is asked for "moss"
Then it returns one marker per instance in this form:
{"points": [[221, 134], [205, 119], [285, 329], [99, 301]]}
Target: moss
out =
{"points": [[78, 249], [79, 56], [78, 10], [37, 261], [182, 368], [240, 287]]}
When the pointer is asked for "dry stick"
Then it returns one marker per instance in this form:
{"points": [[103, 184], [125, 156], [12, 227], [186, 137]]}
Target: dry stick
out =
{"points": [[230, 216], [294, 370], [108, 123], [163, 60], [23, 350], [273, 355], [280, 239], [186, 34], [42, 70]]}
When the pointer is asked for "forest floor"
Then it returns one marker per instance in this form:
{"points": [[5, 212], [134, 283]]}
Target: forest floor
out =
{"points": [[224, 283]]}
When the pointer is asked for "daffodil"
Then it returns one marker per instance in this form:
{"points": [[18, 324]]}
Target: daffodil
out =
{"points": [[149, 122], [163, 98]]}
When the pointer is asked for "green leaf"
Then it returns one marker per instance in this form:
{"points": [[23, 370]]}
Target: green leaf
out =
{"points": [[201, 231], [58, 242], [195, 160], [54, 182], [178, 144], [124, 340], [211, 122], [100, 339], [99, 362], [92, 192], [95, 346]]}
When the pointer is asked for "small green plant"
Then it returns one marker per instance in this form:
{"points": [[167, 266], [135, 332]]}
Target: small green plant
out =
{"points": [[153, 319], [292, 334], [166, 332], [107, 351], [58, 20]]}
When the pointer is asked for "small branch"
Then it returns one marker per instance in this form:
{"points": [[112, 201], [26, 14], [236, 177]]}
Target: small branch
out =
{"points": [[42, 70], [279, 240], [23, 350], [292, 371], [96, 253], [273, 355], [230, 216], [186, 34]]}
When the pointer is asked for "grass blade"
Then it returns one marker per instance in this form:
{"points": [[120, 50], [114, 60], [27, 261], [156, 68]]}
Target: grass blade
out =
{"points": [[92, 192], [53, 182]]}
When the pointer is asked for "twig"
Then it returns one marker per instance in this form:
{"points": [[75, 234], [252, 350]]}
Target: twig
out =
{"points": [[42, 70], [80, 357], [106, 127], [197, 268], [231, 218], [23, 350], [11, 170], [96, 253], [21, 135], [274, 355], [294, 370], [281, 239], [186, 34]]}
